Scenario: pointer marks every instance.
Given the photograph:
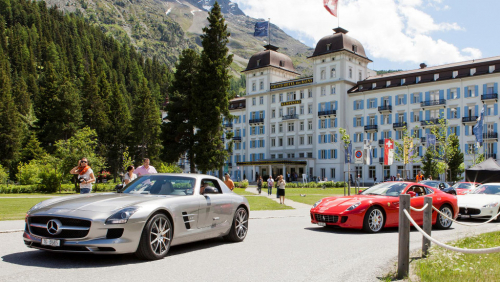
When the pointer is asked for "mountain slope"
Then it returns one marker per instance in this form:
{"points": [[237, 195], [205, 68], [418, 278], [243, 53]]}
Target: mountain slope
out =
{"points": [[163, 28]]}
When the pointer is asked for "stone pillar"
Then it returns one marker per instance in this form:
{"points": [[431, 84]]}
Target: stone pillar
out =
{"points": [[270, 171], [253, 174]]}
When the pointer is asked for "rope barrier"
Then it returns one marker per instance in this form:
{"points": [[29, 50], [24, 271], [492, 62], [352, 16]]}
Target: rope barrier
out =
{"points": [[418, 210], [466, 224], [461, 250]]}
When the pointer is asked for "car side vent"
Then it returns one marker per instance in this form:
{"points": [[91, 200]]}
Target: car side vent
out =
{"points": [[114, 233], [187, 221]]}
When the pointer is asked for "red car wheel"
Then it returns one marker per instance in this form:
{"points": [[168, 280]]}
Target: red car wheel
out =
{"points": [[374, 220]]}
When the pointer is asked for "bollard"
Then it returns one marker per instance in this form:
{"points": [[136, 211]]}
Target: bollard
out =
{"points": [[426, 243], [404, 237]]}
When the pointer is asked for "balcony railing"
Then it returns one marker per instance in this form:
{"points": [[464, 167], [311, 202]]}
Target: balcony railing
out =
{"points": [[399, 125], [327, 113], [492, 96], [385, 108], [429, 103], [487, 156], [381, 142], [228, 125], [432, 121], [381, 160], [469, 119], [490, 135], [371, 127], [236, 138], [256, 120], [288, 117], [423, 139]]}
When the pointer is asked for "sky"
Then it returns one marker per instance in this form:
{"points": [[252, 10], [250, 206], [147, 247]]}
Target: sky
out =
{"points": [[396, 34]]}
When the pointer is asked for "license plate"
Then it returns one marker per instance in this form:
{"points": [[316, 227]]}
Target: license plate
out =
{"points": [[51, 242], [465, 215], [321, 224]]}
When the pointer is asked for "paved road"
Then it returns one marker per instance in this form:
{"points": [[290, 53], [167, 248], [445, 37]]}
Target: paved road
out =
{"points": [[280, 246]]}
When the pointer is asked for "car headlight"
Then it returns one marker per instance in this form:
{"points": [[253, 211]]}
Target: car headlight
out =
{"points": [[353, 206], [121, 216], [491, 205], [317, 203]]}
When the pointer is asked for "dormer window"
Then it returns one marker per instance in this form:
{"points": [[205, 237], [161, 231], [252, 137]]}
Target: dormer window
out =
{"points": [[328, 46], [403, 81], [258, 62], [282, 64], [354, 48], [333, 58]]}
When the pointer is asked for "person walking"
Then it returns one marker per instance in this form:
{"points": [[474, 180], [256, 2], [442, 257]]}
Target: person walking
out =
{"points": [[85, 175], [420, 176], [281, 189], [145, 168], [130, 175], [259, 184], [270, 183], [229, 183]]}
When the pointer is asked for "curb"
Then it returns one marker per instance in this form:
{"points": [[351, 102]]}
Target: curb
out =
{"points": [[12, 231]]}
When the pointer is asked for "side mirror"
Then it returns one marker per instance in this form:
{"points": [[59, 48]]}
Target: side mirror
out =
{"points": [[411, 193], [210, 190], [360, 191]]}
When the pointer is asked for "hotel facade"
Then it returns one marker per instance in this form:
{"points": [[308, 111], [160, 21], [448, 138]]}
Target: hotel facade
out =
{"points": [[287, 123]]}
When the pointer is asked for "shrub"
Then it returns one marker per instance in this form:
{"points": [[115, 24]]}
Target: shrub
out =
{"points": [[311, 184], [243, 184], [3, 175], [29, 173]]}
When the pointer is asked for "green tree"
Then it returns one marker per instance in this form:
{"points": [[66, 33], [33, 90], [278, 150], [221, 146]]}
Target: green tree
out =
{"points": [[178, 132], [406, 149], [429, 164], [346, 139], [168, 168], [445, 149], [212, 103], [456, 160], [32, 149]]}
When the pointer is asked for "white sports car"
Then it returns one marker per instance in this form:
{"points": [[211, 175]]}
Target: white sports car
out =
{"points": [[484, 201]]}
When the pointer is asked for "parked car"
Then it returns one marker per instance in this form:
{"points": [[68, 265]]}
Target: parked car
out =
{"points": [[483, 201], [463, 188], [443, 186], [378, 207], [153, 213]]}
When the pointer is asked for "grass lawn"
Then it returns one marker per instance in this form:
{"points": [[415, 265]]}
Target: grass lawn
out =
{"points": [[27, 195], [259, 203], [13, 209], [313, 194], [241, 191], [443, 265]]}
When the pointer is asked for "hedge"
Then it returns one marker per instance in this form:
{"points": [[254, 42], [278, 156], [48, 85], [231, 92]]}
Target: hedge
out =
{"points": [[38, 188], [328, 184], [242, 184]]}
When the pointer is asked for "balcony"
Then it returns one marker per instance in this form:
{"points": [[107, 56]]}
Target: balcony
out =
{"points": [[237, 138], [381, 142], [487, 156], [429, 122], [490, 136], [256, 120], [440, 103], [385, 108], [471, 119], [489, 98], [327, 114], [371, 127], [228, 125], [289, 117], [399, 125], [423, 140]]}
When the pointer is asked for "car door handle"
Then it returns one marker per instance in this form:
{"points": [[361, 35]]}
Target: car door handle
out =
{"points": [[216, 218]]}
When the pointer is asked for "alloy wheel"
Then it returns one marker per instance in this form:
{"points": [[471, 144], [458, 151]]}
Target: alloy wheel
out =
{"points": [[376, 220], [241, 223], [445, 222], [160, 235]]}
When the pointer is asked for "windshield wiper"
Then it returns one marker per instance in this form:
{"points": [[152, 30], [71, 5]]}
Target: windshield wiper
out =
{"points": [[371, 194]]}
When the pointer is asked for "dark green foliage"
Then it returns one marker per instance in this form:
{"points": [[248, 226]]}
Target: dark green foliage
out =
{"points": [[456, 159], [429, 165]]}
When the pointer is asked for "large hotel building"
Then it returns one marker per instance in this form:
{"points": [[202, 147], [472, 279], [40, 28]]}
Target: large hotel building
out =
{"points": [[291, 124]]}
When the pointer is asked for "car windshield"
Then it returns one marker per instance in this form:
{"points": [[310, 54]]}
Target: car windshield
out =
{"points": [[487, 189], [433, 184], [161, 185], [386, 189], [463, 186]]}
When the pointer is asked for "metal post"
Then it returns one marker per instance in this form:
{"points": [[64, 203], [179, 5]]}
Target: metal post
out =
{"points": [[404, 237], [426, 243]]}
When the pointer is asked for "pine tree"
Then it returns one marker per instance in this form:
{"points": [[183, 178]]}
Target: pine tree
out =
{"points": [[456, 159], [212, 102], [429, 164]]}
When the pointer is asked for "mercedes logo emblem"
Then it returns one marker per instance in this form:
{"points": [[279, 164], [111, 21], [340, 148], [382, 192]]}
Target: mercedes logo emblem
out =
{"points": [[54, 227]]}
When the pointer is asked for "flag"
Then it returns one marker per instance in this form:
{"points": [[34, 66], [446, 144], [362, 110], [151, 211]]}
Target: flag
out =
{"points": [[331, 6], [348, 154], [261, 29], [431, 140], [388, 151], [367, 152], [478, 129]]}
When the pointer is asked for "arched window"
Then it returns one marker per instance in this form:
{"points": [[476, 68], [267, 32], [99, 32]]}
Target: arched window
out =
{"points": [[333, 73], [261, 85], [254, 87], [350, 73], [323, 74]]}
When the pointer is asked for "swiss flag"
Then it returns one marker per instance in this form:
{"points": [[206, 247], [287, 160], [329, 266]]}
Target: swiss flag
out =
{"points": [[331, 6], [388, 151]]}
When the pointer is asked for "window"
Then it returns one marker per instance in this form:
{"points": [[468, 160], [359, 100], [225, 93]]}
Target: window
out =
{"points": [[310, 93], [323, 155], [258, 62], [301, 109], [359, 172], [273, 156], [291, 126], [416, 116], [323, 91], [401, 100], [333, 73], [416, 98], [358, 121], [328, 46], [332, 90], [371, 103], [489, 110], [273, 128], [454, 130], [301, 94], [261, 129], [301, 155], [358, 105], [281, 97], [280, 128], [453, 93], [253, 101], [261, 87], [489, 89], [290, 96], [387, 172], [309, 140], [401, 118], [334, 137], [254, 87], [309, 109], [301, 140], [386, 119], [359, 76], [471, 91], [323, 74], [371, 120], [280, 142], [261, 100], [290, 141], [332, 173], [350, 72], [273, 113], [310, 125], [354, 48], [282, 64], [416, 169], [301, 126], [453, 113], [333, 122], [261, 114], [280, 156], [322, 124], [372, 172], [273, 98], [281, 113]]}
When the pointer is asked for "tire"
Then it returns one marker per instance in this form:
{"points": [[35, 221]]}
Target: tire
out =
{"points": [[441, 221], [156, 238], [239, 228], [374, 220]]}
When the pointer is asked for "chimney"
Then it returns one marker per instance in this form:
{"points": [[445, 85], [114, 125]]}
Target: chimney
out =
{"points": [[423, 65]]}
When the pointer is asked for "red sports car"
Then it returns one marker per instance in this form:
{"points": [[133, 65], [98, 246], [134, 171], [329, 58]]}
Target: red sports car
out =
{"points": [[465, 187], [378, 207]]}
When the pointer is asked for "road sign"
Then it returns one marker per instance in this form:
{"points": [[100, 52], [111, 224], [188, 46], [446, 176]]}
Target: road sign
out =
{"points": [[358, 157]]}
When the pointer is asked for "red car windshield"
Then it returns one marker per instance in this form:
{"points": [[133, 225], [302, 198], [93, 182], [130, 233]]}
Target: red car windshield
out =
{"points": [[386, 189], [463, 186]]}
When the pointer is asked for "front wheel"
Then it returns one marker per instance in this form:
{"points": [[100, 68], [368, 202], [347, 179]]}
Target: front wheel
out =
{"points": [[374, 220], [239, 227], [155, 239], [443, 222]]}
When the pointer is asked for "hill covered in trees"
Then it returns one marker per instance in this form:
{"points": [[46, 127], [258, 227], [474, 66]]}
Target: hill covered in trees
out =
{"points": [[61, 76]]}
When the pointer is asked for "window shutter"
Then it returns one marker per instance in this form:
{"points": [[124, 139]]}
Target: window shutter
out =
{"points": [[336, 105], [466, 111], [441, 113], [319, 154], [411, 98], [495, 90], [420, 97], [427, 115], [495, 109], [244, 132], [263, 129], [362, 122], [354, 122], [458, 130], [375, 104], [381, 119], [390, 134], [485, 88], [329, 154], [329, 123], [390, 100], [466, 91], [263, 114], [411, 117], [458, 112], [354, 105], [449, 113], [448, 94], [375, 136], [335, 122], [476, 108], [466, 149], [466, 130], [397, 101], [397, 117], [263, 143], [404, 118], [362, 104], [427, 96], [405, 99], [441, 94], [244, 118], [390, 119], [362, 135], [476, 90], [319, 124], [319, 139]]}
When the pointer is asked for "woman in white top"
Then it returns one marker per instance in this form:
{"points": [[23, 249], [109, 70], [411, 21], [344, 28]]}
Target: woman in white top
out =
{"points": [[85, 175], [281, 189], [130, 175]]}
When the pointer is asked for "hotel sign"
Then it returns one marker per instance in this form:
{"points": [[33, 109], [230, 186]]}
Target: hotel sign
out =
{"points": [[292, 83], [291, 103]]}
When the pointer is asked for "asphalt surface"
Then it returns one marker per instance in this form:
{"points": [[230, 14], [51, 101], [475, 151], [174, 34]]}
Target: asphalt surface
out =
{"points": [[280, 246]]}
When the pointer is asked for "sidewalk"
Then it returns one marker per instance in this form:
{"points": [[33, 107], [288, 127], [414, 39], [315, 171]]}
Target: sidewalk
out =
{"points": [[300, 210], [8, 226]]}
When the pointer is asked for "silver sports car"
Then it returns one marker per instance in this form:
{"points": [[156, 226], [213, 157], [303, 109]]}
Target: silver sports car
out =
{"points": [[151, 214]]}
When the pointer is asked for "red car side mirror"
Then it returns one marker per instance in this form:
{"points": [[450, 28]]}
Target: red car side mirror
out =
{"points": [[360, 191], [411, 193]]}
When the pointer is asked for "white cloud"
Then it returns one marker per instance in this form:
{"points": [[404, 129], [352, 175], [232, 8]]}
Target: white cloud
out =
{"points": [[397, 30]]}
